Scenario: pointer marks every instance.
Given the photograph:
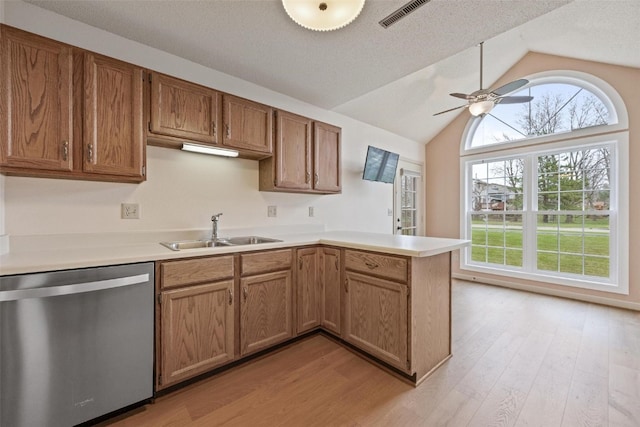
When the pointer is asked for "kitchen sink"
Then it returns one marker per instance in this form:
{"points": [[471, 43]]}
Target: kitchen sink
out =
{"points": [[194, 244], [233, 241], [251, 240]]}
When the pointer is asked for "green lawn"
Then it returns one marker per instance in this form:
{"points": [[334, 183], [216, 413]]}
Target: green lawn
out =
{"points": [[557, 250]]}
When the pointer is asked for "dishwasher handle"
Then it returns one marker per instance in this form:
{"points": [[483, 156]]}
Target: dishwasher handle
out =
{"points": [[75, 288]]}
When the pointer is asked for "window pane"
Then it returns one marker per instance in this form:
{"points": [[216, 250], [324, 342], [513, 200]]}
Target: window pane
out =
{"points": [[547, 201], [495, 255], [571, 243], [571, 201], [514, 257], [547, 261], [571, 264], [555, 108], [479, 253], [594, 266]]}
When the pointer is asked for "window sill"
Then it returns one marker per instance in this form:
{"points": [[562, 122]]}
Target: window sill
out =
{"points": [[615, 288]]}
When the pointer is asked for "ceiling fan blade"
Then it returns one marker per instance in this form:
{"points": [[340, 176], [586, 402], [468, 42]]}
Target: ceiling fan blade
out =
{"points": [[510, 87], [514, 99], [460, 95], [451, 109]]}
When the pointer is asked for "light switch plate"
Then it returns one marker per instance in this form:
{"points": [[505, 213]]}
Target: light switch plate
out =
{"points": [[272, 211]]}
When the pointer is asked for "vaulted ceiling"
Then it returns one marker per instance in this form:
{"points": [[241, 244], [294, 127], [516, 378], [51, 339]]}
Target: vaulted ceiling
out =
{"points": [[393, 78]]}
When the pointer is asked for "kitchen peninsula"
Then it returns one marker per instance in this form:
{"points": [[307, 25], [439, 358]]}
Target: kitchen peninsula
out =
{"points": [[387, 296]]}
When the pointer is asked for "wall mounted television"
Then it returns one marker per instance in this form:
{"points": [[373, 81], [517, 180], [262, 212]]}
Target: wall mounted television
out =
{"points": [[380, 165]]}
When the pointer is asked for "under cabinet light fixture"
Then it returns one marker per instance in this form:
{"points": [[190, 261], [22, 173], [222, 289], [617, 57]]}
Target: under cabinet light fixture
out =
{"points": [[195, 148]]}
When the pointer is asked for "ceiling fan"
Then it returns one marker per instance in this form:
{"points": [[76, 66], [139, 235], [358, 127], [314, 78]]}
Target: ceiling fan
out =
{"points": [[482, 101]]}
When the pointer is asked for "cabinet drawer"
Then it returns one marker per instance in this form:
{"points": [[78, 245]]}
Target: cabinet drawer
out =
{"points": [[263, 262], [394, 268], [178, 273]]}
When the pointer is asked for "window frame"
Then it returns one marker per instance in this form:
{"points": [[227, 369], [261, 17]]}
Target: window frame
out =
{"points": [[615, 136]]}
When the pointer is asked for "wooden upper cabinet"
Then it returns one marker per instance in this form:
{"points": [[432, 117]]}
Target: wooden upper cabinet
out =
{"points": [[113, 137], [184, 110], [326, 157], [293, 151], [306, 157], [247, 125], [36, 120]]}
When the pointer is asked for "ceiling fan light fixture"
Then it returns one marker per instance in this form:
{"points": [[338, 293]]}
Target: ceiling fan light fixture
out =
{"points": [[323, 15], [482, 107]]}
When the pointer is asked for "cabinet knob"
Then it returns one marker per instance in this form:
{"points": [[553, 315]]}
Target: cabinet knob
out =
{"points": [[227, 130], [337, 265], [307, 178], [346, 285], [213, 128], [245, 292], [230, 297], [300, 263], [317, 177], [90, 152], [65, 150]]}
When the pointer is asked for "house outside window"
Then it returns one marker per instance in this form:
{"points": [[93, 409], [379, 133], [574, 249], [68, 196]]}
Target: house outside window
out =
{"points": [[545, 186]]}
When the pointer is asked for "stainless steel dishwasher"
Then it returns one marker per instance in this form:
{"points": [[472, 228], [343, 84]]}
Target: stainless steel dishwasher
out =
{"points": [[75, 344]]}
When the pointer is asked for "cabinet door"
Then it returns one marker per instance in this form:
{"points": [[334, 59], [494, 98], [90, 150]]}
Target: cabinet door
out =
{"points": [[376, 317], [330, 289], [265, 311], [326, 158], [113, 116], [197, 330], [293, 151], [308, 289], [35, 102], [247, 125], [183, 110]]}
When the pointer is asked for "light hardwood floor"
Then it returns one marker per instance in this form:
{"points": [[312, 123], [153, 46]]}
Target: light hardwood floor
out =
{"points": [[519, 359]]}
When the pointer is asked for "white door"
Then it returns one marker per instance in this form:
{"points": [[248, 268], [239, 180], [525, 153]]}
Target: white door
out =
{"points": [[408, 209]]}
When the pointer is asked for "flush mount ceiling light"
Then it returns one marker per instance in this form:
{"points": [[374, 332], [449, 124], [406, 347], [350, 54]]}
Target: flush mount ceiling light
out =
{"points": [[323, 15], [195, 148]]}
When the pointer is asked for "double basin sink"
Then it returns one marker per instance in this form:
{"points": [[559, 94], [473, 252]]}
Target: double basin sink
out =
{"points": [[232, 241]]}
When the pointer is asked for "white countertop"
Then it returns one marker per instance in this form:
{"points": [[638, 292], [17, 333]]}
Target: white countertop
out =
{"points": [[36, 257]]}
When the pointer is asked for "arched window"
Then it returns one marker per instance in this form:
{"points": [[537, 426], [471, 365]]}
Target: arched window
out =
{"points": [[546, 185]]}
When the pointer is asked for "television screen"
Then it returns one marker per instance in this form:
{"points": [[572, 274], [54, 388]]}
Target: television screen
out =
{"points": [[380, 165]]}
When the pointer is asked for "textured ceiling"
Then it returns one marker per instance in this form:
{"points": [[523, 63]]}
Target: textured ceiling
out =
{"points": [[393, 78]]}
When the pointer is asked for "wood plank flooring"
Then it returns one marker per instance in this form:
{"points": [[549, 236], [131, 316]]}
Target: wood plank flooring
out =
{"points": [[519, 359]]}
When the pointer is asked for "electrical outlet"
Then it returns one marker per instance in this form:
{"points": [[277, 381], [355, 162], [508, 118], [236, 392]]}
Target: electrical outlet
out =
{"points": [[130, 211], [311, 213], [272, 211]]}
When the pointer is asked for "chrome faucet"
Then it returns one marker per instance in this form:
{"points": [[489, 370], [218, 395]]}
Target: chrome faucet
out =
{"points": [[214, 219]]}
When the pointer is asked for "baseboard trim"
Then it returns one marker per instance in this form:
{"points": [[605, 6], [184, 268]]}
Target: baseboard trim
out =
{"points": [[553, 292]]}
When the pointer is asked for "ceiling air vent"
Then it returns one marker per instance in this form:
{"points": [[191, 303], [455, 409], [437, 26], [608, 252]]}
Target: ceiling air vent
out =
{"points": [[402, 12]]}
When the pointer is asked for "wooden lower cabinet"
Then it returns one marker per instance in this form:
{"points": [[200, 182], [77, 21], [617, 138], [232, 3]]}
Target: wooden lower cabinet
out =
{"points": [[265, 311], [376, 318], [330, 288], [197, 330], [307, 289]]}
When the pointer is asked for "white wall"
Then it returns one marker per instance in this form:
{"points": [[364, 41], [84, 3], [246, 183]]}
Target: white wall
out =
{"points": [[184, 189]]}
